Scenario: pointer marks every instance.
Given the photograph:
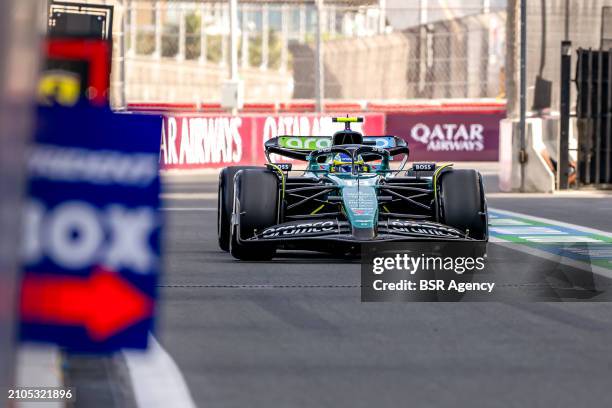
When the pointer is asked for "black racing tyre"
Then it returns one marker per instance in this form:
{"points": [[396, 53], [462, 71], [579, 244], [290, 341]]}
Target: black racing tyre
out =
{"points": [[225, 203], [256, 200], [462, 202]]}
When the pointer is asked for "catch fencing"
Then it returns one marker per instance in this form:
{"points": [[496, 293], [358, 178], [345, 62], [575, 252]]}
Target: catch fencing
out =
{"points": [[178, 52], [459, 58], [588, 59], [606, 28]]}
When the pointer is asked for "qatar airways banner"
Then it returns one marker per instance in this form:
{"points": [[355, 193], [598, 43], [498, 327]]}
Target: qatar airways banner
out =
{"points": [[191, 141], [449, 136]]}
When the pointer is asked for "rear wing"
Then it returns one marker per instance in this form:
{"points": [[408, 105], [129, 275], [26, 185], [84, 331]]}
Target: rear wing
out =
{"points": [[300, 147]]}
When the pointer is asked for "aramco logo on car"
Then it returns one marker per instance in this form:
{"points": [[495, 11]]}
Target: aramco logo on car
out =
{"points": [[305, 143]]}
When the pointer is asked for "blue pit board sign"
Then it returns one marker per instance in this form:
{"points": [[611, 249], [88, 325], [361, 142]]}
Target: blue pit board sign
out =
{"points": [[92, 230]]}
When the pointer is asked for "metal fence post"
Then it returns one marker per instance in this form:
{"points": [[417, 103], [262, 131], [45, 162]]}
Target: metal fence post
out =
{"points": [[523, 94], [265, 40], [331, 19], [382, 16], [423, 46], [158, 30], [563, 145], [133, 28], [233, 17], [203, 39], [567, 20], [598, 116], [609, 121], [284, 57], [302, 23], [224, 14], [486, 6], [319, 66], [579, 113], [244, 46], [589, 152], [182, 33], [123, 56]]}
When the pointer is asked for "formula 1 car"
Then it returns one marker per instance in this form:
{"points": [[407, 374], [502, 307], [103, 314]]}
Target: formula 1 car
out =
{"points": [[347, 195]]}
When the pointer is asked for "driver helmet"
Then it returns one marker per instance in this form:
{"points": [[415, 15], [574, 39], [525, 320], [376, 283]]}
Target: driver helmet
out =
{"points": [[342, 163]]}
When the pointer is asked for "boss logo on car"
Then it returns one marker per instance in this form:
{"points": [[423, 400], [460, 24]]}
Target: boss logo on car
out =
{"points": [[299, 229], [424, 167], [281, 166]]}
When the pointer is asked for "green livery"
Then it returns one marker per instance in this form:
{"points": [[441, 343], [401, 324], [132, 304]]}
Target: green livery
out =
{"points": [[304, 143]]}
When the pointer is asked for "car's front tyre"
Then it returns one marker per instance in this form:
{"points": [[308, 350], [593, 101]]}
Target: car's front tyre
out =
{"points": [[256, 207], [225, 203], [462, 202]]}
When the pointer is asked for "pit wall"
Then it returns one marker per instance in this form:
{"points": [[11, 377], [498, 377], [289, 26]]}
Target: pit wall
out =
{"points": [[542, 143], [196, 138]]}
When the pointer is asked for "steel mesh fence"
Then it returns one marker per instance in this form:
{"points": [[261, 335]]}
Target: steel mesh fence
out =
{"points": [[458, 59], [178, 52], [606, 28], [587, 28]]}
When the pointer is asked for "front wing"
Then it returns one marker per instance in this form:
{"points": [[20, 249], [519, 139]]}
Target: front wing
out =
{"points": [[309, 232]]}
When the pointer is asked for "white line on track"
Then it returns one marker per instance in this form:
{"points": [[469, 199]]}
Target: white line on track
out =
{"points": [[157, 381], [553, 222], [597, 270], [526, 248]]}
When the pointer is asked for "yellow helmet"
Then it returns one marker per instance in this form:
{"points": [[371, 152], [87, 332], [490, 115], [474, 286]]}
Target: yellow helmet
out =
{"points": [[342, 163]]}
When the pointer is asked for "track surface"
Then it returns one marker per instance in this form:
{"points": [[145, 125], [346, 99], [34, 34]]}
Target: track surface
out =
{"points": [[299, 336]]}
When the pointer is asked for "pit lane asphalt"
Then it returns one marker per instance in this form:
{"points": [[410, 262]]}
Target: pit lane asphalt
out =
{"points": [[299, 336]]}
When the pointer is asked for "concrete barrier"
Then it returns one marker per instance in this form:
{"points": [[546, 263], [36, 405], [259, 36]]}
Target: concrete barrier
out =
{"points": [[540, 142]]}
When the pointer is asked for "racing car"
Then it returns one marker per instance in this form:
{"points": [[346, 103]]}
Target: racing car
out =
{"points": [[347, 194]]}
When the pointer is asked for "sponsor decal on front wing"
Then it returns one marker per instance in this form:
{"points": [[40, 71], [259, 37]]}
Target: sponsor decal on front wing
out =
{"points": [[434, 230], [299, 229]]}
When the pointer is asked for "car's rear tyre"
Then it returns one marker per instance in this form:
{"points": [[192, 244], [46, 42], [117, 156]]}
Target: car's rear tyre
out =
{"points": [[462, 202], [256, 203], [225, 203]]}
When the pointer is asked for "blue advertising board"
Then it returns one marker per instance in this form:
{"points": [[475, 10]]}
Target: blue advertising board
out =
{"points": [[92, 230]]}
